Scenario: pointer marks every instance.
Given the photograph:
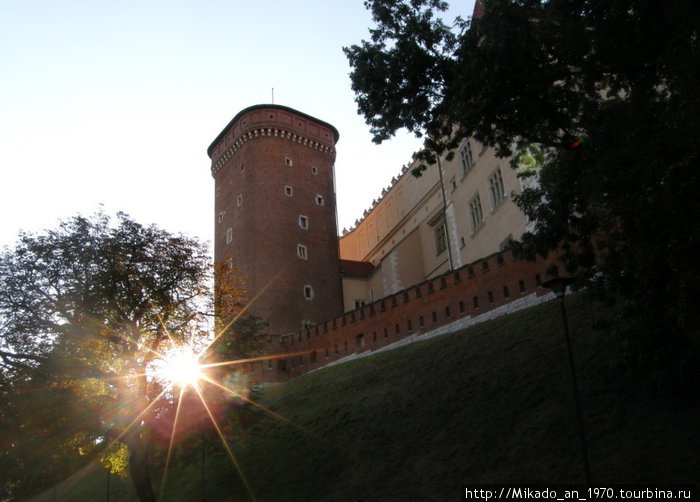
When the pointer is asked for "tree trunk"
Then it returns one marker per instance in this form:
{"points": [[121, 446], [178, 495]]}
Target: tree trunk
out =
{"points": [[137, 442], [138, 467]]}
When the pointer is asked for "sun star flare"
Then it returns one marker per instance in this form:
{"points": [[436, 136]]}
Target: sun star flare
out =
{"points": [[180, 367]]}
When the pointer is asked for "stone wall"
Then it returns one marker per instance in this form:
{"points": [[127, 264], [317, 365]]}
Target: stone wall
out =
{"points": [[490, 287]]}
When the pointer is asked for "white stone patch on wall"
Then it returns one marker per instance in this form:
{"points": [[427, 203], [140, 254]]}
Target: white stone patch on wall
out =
{"points": [[454, 244], [390, 274]]}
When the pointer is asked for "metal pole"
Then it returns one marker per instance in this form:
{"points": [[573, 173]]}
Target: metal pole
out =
{"points": [[202, 479], [444, 215], [579, 415]]}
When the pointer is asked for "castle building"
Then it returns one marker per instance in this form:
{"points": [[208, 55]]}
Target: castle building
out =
{"points": [[429, 256], [446, 231], [276, 214], [457, 212]]}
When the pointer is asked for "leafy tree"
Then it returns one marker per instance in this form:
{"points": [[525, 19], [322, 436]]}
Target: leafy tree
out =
{"points": [[115, 459], [84, 309], [238, 335], [606, 91]]}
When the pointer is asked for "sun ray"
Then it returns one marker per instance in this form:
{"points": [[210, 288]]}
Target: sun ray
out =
{"points": [[170, 446], [122, 377], [150, 405], [248, 305], [165, 328], [225, 443], [256, 359], [134, 421], [180, 366], [258, 405]]}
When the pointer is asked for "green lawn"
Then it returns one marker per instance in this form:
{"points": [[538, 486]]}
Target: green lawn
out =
{"points": [[490, 404]]}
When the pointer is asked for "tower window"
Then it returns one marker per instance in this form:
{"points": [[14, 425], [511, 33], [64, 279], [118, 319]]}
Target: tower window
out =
{"points": [[229, 235], [319, 200], [314, 170], [302, 252], [288, 162], [308, 292], [220, 217], [304, 222], [288, 191], [239, 200]]}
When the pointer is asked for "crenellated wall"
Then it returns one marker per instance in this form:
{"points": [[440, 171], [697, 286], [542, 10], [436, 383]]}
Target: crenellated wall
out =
{"points": [[487, 288]]}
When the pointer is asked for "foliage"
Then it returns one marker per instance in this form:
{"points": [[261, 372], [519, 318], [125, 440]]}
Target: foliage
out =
{"points": [[243, 339], [84, 310], [116, 459], [229, 294], [238, 335], [607, 91]]}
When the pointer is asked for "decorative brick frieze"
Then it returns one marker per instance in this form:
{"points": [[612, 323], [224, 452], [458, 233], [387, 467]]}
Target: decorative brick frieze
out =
{"points": [[221, 160]]}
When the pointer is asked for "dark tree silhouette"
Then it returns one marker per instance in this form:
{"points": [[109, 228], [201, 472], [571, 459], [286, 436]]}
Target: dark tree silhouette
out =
{"points": [[606, 91]]}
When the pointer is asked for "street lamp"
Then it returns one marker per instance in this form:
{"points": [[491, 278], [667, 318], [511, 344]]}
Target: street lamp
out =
{"points": [[558, 285], [203, 463]]}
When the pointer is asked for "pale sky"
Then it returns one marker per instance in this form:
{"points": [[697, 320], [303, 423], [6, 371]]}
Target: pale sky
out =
{"points": [[115, 103]]}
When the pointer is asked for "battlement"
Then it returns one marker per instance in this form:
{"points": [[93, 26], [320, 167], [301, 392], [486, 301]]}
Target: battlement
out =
{"points": [[271, 121], [490, 287]]}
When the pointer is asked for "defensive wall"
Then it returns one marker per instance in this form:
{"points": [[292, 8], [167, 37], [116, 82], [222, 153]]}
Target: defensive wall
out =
{"points": [[487, 288]]}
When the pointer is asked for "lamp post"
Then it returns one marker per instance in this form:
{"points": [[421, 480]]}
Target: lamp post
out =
{"points": [[203, 463], [558, 285]]}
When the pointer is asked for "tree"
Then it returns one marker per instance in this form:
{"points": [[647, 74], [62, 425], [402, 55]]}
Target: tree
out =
{"points": [[607, 91], [238, 335], [84, 311]]}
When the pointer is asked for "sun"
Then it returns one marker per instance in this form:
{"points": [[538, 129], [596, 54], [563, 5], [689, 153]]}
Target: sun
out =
{"points": [[179, 367]]}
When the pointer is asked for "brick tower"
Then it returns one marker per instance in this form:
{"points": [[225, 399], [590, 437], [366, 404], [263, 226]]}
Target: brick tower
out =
{"points": [[275, 213]]}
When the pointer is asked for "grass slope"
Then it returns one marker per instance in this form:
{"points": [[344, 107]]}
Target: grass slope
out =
{"points": [[490, 404]]}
